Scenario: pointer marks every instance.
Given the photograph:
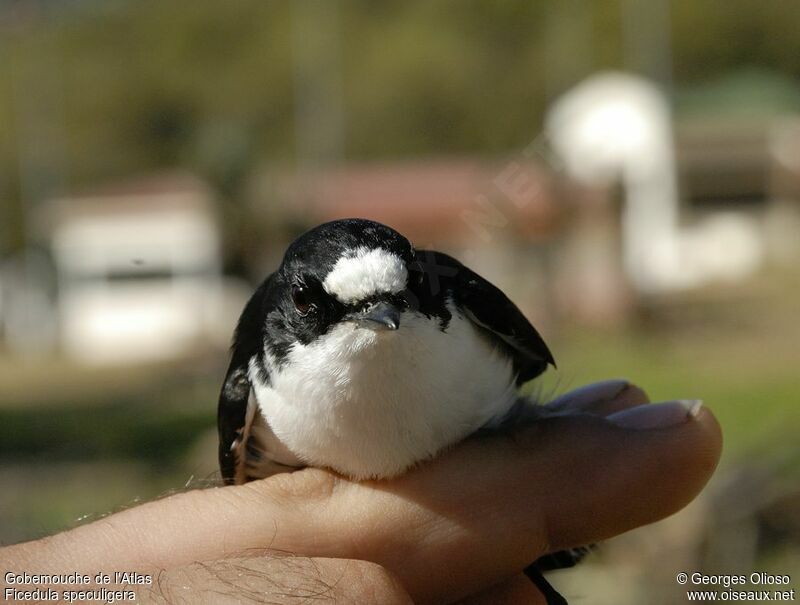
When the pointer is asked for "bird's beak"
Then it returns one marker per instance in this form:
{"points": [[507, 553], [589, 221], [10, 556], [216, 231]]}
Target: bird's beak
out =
{"points": [[380, 316]]}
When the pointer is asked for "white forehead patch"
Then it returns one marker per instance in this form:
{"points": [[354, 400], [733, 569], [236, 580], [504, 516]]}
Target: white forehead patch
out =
{"points": [[365, 273]]}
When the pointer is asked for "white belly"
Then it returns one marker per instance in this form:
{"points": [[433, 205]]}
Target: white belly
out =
{"points": [[371, 404]]}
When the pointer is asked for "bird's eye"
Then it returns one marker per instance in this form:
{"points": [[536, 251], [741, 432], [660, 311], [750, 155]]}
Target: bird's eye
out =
{"points": [[301, 298]]}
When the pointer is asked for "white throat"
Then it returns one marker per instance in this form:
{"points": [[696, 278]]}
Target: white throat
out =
{"points": [[371, 404]]}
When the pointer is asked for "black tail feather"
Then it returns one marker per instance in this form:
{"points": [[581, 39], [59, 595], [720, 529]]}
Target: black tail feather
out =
{"points": [[556, 560], [563, 558], [551, 595]]}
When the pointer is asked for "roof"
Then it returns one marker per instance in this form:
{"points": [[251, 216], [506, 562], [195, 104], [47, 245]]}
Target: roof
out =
{"points": [[423, 199], [147, 195]]}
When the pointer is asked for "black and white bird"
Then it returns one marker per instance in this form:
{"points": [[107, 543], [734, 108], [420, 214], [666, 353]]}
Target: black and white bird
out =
{"points": [[366, 356]]}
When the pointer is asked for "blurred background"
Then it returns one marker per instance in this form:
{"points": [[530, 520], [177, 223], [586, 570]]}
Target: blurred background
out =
{"points": [[627, 170]]}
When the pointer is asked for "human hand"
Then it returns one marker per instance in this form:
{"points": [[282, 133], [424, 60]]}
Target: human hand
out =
{"points": [[462, 526]]}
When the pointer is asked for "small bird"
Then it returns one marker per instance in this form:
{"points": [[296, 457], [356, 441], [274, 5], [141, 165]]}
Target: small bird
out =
{"points": [[364, 355]]}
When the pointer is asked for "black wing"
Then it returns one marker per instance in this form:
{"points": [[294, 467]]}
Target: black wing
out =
{"points": [[233, 398], [487, 307]]}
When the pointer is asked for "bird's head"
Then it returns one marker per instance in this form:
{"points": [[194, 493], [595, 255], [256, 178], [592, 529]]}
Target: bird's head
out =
{"points": [[351, 271]]}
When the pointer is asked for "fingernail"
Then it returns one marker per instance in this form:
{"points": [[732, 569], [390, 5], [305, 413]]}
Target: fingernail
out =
{"points": [[657, 415], [598, 391]]}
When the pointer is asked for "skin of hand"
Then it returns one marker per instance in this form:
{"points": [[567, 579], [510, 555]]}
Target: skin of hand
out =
{"points": [[461, 527]]}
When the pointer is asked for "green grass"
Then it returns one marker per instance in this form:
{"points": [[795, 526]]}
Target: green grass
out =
{"points": [[126, 429]]}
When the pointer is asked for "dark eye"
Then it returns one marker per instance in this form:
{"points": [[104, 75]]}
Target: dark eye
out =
{"points": [[301, 298]]}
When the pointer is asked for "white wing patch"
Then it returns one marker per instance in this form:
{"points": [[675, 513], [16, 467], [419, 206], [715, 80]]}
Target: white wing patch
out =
{"points": [[365, 273]]}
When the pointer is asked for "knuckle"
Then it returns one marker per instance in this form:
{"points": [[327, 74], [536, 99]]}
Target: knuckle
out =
{"points": [[375, 584], [305, 485]]}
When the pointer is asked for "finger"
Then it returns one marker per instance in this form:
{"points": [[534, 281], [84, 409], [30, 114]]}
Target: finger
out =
{"points": [[468, 519], [277, 579], [600, 398], [651, 473], [490, 507], [565, 482], [517, 590]]}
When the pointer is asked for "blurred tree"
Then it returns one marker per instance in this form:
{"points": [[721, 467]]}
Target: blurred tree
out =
{"points": [[213, 86]]}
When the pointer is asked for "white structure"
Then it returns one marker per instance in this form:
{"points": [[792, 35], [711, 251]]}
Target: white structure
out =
{"points": [[27, 324], [138, 270], [617, 127]]}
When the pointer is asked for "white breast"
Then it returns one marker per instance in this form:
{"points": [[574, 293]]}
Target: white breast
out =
{"points": [[372, 403]]}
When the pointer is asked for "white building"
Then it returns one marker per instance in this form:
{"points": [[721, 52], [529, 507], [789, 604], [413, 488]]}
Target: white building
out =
{"points": [[138, 270], [717, 212]]}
